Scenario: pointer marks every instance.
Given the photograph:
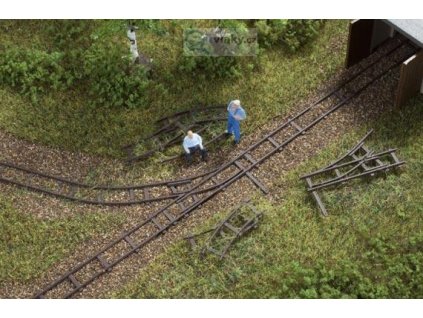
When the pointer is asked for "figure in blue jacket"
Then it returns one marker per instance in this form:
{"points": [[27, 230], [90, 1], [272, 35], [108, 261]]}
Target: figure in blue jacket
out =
{"points": [[235, 114]]}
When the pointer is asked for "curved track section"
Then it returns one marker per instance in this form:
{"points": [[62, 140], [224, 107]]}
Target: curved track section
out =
{"points": [[134, 240], [96, 195]]}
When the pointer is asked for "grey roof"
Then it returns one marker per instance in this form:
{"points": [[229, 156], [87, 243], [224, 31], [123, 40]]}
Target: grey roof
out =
{"points": [[411, 28]]}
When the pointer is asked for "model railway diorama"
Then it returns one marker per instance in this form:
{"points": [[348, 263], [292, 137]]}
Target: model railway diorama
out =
{"points": [[180, 197]]}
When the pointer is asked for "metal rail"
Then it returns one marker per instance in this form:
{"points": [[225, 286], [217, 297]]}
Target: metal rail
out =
{"points": [[248, 221], [95, 195], [368, 164], [371, 172], [334, 167], [359, 144], [241, 166], [248, 224]]}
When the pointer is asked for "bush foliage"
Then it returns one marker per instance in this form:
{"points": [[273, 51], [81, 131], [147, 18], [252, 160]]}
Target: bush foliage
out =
{"points": [[386, 270], [32, 72], [70, 34], [111, 79], [98, 67], [292, 34]]}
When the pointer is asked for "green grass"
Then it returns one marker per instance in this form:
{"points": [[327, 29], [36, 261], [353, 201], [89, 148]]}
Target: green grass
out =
{"points": [[29, 246], [371, 245], [63, 119]]}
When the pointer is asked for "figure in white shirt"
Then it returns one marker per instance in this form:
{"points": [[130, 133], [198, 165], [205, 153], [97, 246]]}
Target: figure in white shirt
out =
{"points": [[193, 143], [133, 46]]}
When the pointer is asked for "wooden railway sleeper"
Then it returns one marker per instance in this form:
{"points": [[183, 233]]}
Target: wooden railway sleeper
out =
{"points": [[250, 158], [297, 127], [338, 95], [169, 216], [317, 198], [146, 194], [72, 191], [193, 243], [394, 156], [131, 243], [195, 198], [214, 180], [173, 189], [131, 195], [181, 205], [157, 143], [356, 157], [273, 142], [214, 251], [157, 224], [231, 227], [251, 177], [100, 197], [60, 186], [253, 224], [378, 161], [74, 281], [105, 264]]}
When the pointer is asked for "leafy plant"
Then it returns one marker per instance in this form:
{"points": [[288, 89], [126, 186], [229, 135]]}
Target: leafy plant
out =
{"points": [[67, 34], [32, 72], [153, 25], [293, 34], [112, 80]]}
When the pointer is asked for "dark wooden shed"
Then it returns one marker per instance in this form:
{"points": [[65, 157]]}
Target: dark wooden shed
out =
{"points": [[366, 35]]}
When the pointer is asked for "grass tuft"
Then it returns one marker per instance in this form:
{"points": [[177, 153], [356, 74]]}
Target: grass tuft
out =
{"points": [[28, 245]]}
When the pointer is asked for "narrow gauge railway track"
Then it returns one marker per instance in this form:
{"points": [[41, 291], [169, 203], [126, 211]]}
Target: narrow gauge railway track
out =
{"points": [[96, 195], [173, 129], [134, 240]]}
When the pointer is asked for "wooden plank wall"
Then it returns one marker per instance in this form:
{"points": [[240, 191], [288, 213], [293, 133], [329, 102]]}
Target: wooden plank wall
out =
{"points": [[359, 41], [411, 76]]}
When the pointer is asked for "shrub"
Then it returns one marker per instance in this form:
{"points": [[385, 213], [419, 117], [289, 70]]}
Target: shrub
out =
{"points": [[270, 32], [293, 34], [32, 72], [72, 38], [210, 66], [101, 69], [299, 32], [112, 80], [69, 34], [387, 270], [154, 26]]}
